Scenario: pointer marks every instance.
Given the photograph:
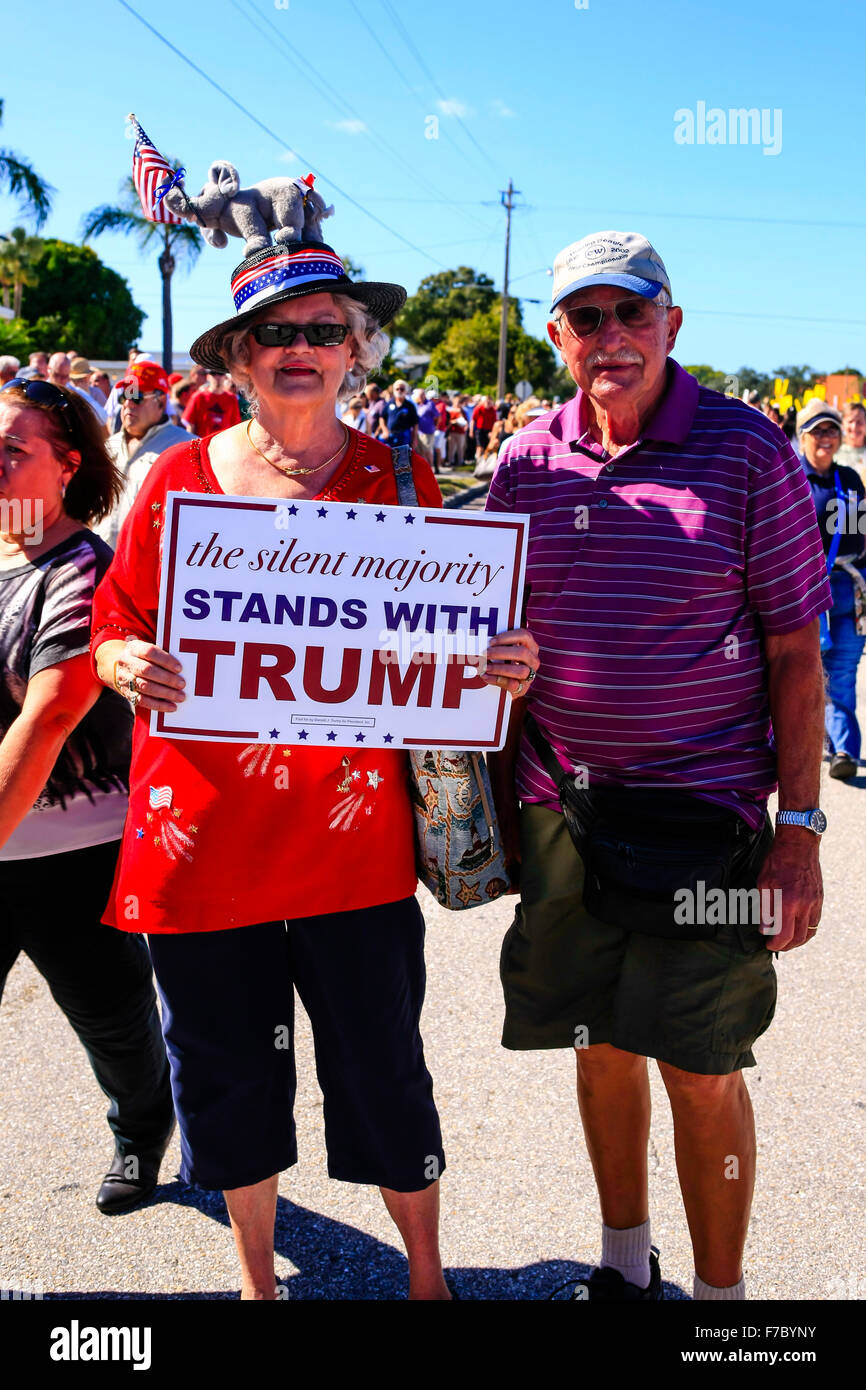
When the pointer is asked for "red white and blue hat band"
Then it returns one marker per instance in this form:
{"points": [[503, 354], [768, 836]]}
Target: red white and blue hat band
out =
{"points": [[258, 283]]}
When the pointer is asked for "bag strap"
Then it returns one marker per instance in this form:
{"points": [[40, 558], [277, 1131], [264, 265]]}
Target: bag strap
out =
{"points": [[544, 750], [401, 457]]}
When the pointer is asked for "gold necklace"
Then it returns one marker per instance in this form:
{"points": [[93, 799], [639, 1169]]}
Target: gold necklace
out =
{"points": [[299, 472]]}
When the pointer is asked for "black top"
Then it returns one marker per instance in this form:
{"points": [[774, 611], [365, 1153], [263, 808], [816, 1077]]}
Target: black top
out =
{"points": [[45, 618]]}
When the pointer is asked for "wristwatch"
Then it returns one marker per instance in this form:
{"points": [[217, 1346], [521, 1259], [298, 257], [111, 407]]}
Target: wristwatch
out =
{"points": [[815, 820]]}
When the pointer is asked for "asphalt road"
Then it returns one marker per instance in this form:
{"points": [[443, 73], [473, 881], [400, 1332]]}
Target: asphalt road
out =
{"points": [[519, 1213]]}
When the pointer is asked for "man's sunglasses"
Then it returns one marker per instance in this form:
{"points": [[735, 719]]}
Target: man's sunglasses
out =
{"points": [[284, 334], [586, 319], [43, 393], [825, 431]]}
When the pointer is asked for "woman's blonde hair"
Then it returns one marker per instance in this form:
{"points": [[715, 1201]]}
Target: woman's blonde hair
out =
{"points": [[369, 342]]}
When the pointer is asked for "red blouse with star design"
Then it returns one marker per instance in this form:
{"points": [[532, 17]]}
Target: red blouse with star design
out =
{"points": [[219, 836]]}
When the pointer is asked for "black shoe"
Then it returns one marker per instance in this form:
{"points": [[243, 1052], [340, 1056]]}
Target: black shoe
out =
{"points": [[843, 766], [609, 1284], [131, 1179]]}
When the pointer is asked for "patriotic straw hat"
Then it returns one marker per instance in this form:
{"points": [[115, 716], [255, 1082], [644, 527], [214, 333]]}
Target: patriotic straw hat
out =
{"points": [[288, 271]]}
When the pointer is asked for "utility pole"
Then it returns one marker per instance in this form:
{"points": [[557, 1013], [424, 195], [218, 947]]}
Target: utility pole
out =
{"points": [[507, 203]]}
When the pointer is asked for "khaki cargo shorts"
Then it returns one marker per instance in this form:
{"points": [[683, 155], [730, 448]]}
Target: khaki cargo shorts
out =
{"points": [[571, 980]]}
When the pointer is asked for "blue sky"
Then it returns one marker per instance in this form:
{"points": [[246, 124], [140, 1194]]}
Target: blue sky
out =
{"points": [[576, 105]]}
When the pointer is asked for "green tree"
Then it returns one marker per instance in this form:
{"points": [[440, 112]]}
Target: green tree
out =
{"points": [[19, 255], [799, 378], [21, 180], [468, 356], [747, 379], [440, 299], [708, 376], [91, 303], [180, 242]]}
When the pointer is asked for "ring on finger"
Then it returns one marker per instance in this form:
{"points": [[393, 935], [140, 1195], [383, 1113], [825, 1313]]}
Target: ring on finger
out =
{"points": [[134, 697], [521, 687], [531, 677]]}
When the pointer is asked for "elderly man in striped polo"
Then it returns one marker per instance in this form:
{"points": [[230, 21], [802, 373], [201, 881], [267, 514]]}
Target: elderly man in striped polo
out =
{"points": [[675, 579]]}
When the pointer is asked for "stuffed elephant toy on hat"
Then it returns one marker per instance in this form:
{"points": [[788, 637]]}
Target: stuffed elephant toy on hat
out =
{"points": [[283, 206]]}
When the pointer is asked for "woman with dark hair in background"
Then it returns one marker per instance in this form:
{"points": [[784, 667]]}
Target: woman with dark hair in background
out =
{"points": [[64, 760]]}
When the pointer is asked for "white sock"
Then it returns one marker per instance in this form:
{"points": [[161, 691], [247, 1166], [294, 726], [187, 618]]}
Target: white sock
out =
{"points": [[705, 1292], [628, 1251]]}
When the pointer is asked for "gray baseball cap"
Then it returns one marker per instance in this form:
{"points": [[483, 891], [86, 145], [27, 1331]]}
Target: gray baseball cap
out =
{"points": [[609, 258]]}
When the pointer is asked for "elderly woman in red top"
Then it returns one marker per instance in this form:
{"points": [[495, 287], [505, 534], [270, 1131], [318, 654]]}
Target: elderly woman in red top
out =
{"points": [[247, 886]]}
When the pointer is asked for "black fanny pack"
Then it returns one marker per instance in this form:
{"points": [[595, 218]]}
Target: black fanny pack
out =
{"points": [[652, 857]]}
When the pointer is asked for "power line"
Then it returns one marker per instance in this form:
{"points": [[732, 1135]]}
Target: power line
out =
{"points": [[407, 39], [319, 82], [371, 33], [282, 143]]}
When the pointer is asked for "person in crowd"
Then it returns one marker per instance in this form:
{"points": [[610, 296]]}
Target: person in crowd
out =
{"points": [[789, 424], [80, 374], [145, 432], [400, 419], [456, 431], [672, 531], [440, 434], [426, 409], [212, 407], [39, 363], [180, 397], [9, 368], [853, 448], [354, 415], [100, 384], [483, 420], [375, 409], [838, 494], [64, 763], [59, 374], [237, 905]]}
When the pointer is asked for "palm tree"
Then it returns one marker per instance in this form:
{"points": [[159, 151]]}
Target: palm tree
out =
{"points": [[19, 253], [179, 240], [21, 180]]}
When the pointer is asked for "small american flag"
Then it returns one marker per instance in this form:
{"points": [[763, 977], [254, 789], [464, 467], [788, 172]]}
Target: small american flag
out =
{"points": [[150, 174], [160, 798]]}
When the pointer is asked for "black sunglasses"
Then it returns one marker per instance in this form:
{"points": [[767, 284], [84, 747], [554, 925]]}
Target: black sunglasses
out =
{"points": [[43, 393], [586, 319], [284, 334]]}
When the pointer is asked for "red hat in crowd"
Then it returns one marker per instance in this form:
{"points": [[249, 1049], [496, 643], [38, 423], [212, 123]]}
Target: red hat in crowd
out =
{"points": [[144, 377], [174, 378]]}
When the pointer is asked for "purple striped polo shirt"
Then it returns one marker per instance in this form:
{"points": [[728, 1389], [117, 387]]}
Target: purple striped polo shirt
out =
{"points": [[651, 576]]}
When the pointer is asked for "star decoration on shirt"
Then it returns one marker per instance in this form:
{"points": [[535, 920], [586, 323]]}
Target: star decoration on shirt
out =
{"points": [[193, 830], [322, 511], [139, 834], [332, 737], [304, 734], [359, 738], [468, 893], [380, 516], [409, 519], [355, 776], [389, 738], [177, 812], [374, 778], [368, 810], [351, 514]]}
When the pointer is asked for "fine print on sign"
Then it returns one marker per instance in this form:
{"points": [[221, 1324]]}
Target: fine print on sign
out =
{"points": [[335, 622]]}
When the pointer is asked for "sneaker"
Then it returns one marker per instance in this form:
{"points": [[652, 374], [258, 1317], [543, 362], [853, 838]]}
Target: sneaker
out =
{"points": [[843, 766], [608, 1284]]}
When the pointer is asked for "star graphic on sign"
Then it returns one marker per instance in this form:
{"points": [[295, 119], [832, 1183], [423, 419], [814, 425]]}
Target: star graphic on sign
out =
{"points": [[293, 511], [409, 518], [331, 736], [389, 738], [468, 893], [359, 738], [374, 778], [274, 733], [139, 834], [380, 516], [351, 514], [323, 511], [303, 734]]}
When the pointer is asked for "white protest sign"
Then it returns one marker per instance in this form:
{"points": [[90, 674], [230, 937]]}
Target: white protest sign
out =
{"points": [[321, 623]]}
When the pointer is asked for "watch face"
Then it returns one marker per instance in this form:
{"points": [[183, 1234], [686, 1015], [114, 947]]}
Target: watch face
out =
{"points": [[818, 822]]}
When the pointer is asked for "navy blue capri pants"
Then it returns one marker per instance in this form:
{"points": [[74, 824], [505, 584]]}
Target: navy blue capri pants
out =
{"points": [[228, 1020]]}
